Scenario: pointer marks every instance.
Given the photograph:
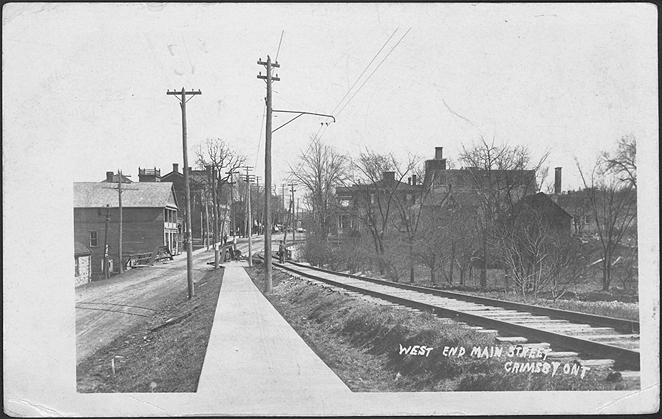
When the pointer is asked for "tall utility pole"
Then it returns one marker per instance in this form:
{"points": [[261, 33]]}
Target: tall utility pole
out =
{"points": [[188, 239], [119, 190], [267, 173], [121, 226], [215, 214], [233, 212], [206, 239], [292, 216], [259, 218], [282, 217], [106, 274], [249, 218]]}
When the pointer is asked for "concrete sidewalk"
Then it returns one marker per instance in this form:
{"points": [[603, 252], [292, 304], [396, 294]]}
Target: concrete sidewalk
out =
{"points": [[256, 363]]}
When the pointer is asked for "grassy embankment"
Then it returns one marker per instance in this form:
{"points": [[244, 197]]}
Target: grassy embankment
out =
{"points": [[163, 354], [361, 342]]}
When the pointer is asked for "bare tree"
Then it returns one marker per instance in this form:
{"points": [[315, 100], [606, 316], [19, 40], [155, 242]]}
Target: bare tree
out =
{"points": [[410, 209], [612, 200], [624, 162], [501, 175], [538, 255], [379, 199], [321, 169], [217, 154]]}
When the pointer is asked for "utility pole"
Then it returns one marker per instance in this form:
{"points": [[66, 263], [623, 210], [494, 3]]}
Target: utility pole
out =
{"points": [[207, 212], [282, 213], [249, 218], [294, 227], [267, 173], [106, 274], [121, 226], [232, 208], [119, 189], [259, 218], [215, 214], [296, 221], [188, 239]]}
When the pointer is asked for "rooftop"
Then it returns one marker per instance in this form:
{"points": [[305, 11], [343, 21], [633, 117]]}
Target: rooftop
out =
{"points": [[136, 194], [81, 249]]}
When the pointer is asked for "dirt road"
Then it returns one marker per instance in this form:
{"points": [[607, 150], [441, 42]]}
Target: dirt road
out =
{"points": [[106, 309]]}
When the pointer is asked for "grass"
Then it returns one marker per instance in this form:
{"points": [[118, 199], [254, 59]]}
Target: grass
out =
{"points": [[360, 341], [158, 356]]}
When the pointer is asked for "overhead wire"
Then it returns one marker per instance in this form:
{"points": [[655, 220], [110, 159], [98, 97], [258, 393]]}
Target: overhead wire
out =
{"points": [[325, 126], [373, 71], [364, 70], [281, 40], [259, 137], [370, 75]]}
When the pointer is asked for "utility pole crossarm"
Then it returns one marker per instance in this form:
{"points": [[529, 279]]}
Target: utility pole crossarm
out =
{"points": [[273, 78], [188, 92]]}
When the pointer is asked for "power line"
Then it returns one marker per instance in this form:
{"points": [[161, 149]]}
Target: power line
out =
{"points": [[281, 40], [364, 70], [373, 72], [325, 126], [368, 78], [259, 137]]}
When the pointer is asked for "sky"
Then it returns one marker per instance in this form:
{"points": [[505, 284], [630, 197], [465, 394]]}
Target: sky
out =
{"points": [[87, 83]]}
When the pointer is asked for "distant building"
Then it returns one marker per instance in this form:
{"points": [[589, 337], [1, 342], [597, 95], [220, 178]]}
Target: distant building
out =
{"points": [[361, 201], [149, 213], [506, 186], [542, 210], [149, 175], [197, 187], [201, 201], [82, 261], [114, 178], [441, 186]]}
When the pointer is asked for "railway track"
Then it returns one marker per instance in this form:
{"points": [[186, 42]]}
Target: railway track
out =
{"points": [[594, 341]]}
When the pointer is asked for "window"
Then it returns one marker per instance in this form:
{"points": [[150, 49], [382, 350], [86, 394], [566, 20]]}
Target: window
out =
{"points": [[93, 239]]}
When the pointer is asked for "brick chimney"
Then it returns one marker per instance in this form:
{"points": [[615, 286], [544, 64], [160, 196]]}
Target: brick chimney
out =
{"points": [[413, 180], [175, 167], [109, 176], [557, 180], [388, 177], [438, 153]]}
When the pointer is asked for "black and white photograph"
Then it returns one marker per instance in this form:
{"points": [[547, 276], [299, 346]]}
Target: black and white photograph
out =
{"points": [[330, 209]]}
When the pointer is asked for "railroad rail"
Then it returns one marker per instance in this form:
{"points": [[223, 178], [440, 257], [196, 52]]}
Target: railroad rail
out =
{"points": [[577, 333]]}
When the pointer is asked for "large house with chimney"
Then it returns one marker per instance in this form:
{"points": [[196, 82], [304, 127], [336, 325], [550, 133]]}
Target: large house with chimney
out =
{"points": [[439, 186], [149, 220]]}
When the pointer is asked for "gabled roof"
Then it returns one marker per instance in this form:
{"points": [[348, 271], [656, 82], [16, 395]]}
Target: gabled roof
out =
{"points": [[198, 177], [397, 186], [541, 201], [472, 178], [116, 178], [134, 195], [80, 249]]}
